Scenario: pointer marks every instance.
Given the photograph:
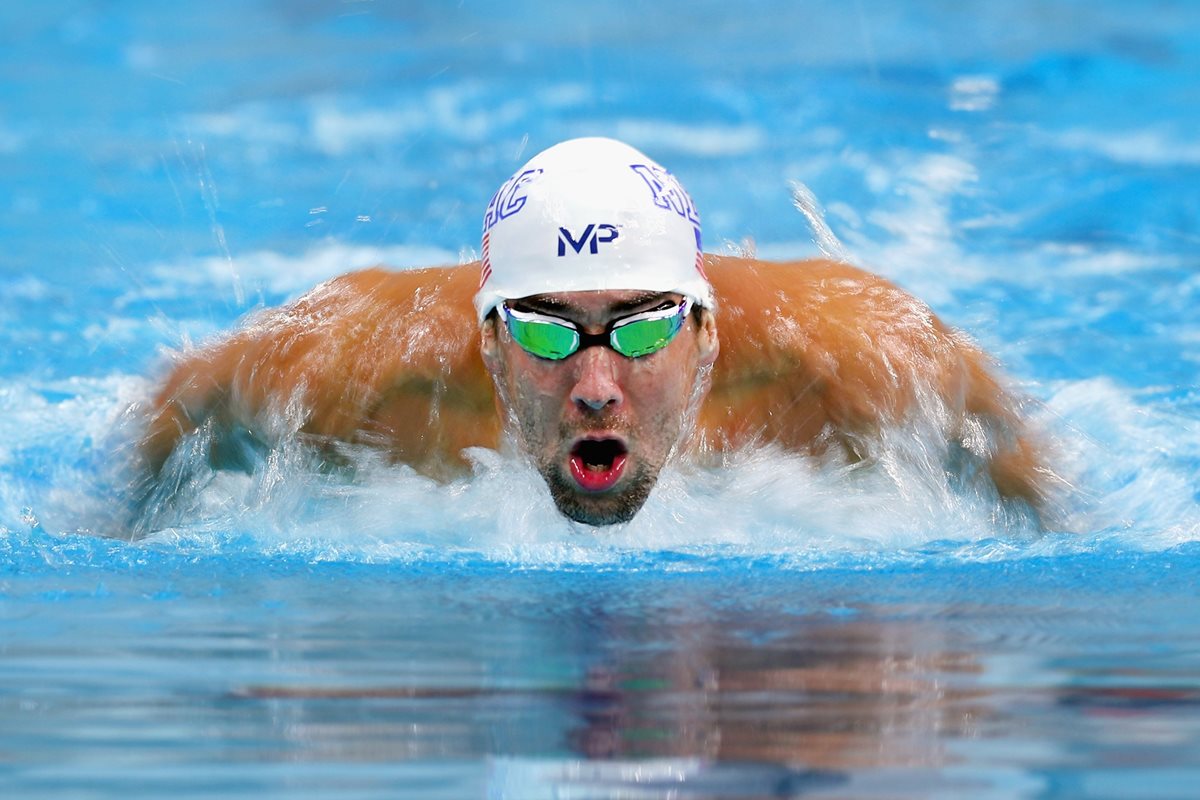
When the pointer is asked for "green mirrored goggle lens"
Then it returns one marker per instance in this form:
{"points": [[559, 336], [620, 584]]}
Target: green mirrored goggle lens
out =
{"points": [[645, 336], [544, 339]]}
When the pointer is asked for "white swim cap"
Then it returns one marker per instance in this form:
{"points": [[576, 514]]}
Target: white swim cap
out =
{"points": [[586, 215]]}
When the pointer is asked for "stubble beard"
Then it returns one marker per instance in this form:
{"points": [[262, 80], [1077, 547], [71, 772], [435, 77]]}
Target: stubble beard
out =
{"points": [[610, 508], [601, 508]]}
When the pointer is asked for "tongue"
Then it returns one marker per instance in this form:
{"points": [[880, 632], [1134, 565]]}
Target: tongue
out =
{"points": [[596, 479]]}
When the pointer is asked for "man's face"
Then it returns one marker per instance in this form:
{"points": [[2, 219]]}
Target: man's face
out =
{"points": [[599, 426]]}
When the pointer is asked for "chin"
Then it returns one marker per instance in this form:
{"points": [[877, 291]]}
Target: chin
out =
{"points": [[609, 508]]}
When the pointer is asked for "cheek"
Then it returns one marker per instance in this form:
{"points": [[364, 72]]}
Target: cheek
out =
{"points": [[534, 392], [662, 388], [532, 396]]}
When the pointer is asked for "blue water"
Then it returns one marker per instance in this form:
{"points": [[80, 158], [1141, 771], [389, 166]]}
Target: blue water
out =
{"points": [[777, 628]]}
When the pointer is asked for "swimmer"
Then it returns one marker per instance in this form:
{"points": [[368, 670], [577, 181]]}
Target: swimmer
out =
{"points": [[588, 334]]}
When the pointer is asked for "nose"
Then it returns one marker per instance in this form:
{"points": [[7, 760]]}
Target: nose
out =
{"points": [[597, 387]]}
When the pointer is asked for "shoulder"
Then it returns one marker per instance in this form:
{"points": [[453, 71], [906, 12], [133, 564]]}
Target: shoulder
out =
{"points": [[379, 319], [858, 341], [379, 290], [749, 286], [818, 304]]}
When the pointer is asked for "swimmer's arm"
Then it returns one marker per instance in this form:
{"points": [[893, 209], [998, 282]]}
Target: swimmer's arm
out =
{"points": [[371, 357], [196, 390], [244, 385], [823, 354]]}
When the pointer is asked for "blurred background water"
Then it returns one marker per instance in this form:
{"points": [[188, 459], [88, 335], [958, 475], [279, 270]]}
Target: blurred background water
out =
{"points": [[1031, 169]]}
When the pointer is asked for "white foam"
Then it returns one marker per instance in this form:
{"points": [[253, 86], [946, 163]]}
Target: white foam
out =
{"points": [[759, 503], [762, 503], [1153, 147], [1086, 259], [920, 243], [253, 123], [461, 113], [1132, 461], [328, 125], [1132, 464], [113, 330], [27, 288], [824, 238], [336, 131], [59, 447], [1129, 460], [920, 227], [285, 274], [974, 93], [912, 235], [664, 138]]}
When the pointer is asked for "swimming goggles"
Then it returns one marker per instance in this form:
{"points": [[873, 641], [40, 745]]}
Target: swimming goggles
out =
{"points": [[633, 337]]}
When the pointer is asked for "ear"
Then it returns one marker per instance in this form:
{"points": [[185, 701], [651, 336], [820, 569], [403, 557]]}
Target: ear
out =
{"points": [[489, 345], [706, 338]]}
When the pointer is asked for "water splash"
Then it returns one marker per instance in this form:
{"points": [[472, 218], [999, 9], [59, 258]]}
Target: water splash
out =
{"points": [[795, 511], [66, 461], [823, 236], [197, 160]]}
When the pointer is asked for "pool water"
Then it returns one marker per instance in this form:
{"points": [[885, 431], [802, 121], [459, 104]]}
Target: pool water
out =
{"points": [[776, 628]]}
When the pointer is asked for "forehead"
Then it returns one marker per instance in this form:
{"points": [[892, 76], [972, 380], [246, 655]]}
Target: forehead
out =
{"points": [[608, 302]]}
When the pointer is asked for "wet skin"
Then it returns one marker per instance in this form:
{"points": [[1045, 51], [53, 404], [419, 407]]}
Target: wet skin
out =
{"points": [[597, 425], [816, 357]]}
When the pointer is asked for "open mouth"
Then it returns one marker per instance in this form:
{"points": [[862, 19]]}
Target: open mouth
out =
{"points": [[597, 464]]}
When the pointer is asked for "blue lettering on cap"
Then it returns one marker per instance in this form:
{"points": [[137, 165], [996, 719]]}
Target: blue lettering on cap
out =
{"points": [[667, 192], [593, 236], [508, 199]]}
